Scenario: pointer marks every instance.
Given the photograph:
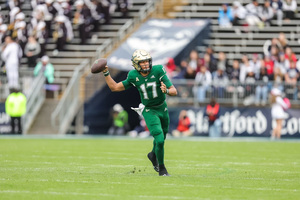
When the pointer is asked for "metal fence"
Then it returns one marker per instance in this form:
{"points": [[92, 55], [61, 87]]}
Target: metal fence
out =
{"points": [[32, 88], [232, 94], [25, 83], [35, 99], [70, 103]]}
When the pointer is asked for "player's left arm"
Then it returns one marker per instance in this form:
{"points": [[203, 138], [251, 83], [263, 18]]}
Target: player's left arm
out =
{"points": [[166, 85], [172, 91]]}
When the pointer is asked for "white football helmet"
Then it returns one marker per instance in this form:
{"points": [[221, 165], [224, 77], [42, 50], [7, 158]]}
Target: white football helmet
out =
{"points": [[139, 56]]}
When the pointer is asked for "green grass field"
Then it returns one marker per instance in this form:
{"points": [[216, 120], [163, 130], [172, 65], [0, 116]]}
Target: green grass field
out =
{"points": [[117, 168]]}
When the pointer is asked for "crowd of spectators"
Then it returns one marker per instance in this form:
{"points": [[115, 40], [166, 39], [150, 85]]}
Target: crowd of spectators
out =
{"points": [[275, 66], [27, 36], [254, 14]]}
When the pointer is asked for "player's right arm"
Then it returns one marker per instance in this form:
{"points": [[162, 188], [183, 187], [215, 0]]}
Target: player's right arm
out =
{"points": [[112, 84]]}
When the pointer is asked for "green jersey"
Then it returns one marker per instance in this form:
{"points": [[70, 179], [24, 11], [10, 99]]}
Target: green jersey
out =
{"points": [[149, 86]]}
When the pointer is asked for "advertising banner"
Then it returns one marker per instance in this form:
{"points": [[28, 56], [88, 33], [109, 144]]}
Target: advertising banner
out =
{"points": [[163, 39], [240, 122], [4, 120]]}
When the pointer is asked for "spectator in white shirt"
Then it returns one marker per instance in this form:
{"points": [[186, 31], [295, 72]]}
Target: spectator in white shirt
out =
{"points": [[256, 63], [277, 10], [265, 13], [289, 8], [245, 69], [42, 36], [12, 14], [203, 81], [239, 12], [220, 81], [3, 33], [14, 3], [11, 53], [277, 112], [21, 34], [32, 51], [252, 17]]}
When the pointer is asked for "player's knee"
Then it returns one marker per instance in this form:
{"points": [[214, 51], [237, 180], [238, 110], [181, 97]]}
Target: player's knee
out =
{"points": [[160, 143], [156, 132]]}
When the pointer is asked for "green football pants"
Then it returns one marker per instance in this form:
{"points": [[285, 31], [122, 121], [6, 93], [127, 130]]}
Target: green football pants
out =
{"points": [[157, 120]]}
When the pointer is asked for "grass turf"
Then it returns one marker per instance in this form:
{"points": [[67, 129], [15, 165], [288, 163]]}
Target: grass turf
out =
{"points": [[117, 168]]}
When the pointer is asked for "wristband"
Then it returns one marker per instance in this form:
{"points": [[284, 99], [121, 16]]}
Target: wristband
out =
{"points": [[167, 91], [106, 73]]}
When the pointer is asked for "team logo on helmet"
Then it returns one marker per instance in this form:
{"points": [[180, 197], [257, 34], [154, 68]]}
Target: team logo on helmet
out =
{"points": [[139, 56]]}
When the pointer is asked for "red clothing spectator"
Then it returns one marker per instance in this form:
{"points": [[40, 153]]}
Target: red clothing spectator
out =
{"points": [[290, 55], [184, 124], [171, 67], [269, 65], [183, 128], [212, 112]]}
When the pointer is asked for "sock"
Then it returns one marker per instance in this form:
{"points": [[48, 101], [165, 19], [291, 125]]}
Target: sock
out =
{"points": [[158, 145], [159, 152]]}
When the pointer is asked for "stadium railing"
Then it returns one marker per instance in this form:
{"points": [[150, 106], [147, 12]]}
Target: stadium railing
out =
{"points": [[35, 99], [71, 101], [24, 83], [233, 93], [4, 91], [33, 88]]}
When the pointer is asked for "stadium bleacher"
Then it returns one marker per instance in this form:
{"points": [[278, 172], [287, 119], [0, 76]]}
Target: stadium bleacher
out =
{"points": [[238, 39], [100, 42], [232, 37]]}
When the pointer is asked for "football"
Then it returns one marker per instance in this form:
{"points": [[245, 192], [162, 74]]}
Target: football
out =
{"points": [[99, 65]]}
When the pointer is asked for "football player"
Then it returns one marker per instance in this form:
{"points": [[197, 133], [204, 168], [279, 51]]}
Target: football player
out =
{"points": [[153, 84]]}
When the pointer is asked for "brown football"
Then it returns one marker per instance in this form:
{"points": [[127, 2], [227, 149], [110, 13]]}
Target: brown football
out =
{"points": [[99, 65]]}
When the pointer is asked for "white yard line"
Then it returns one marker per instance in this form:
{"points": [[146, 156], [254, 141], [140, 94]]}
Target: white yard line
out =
{"points": [[228, 187], [146, 196], [74, 181], [99, 195], [170, 197], [58, 193]]}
